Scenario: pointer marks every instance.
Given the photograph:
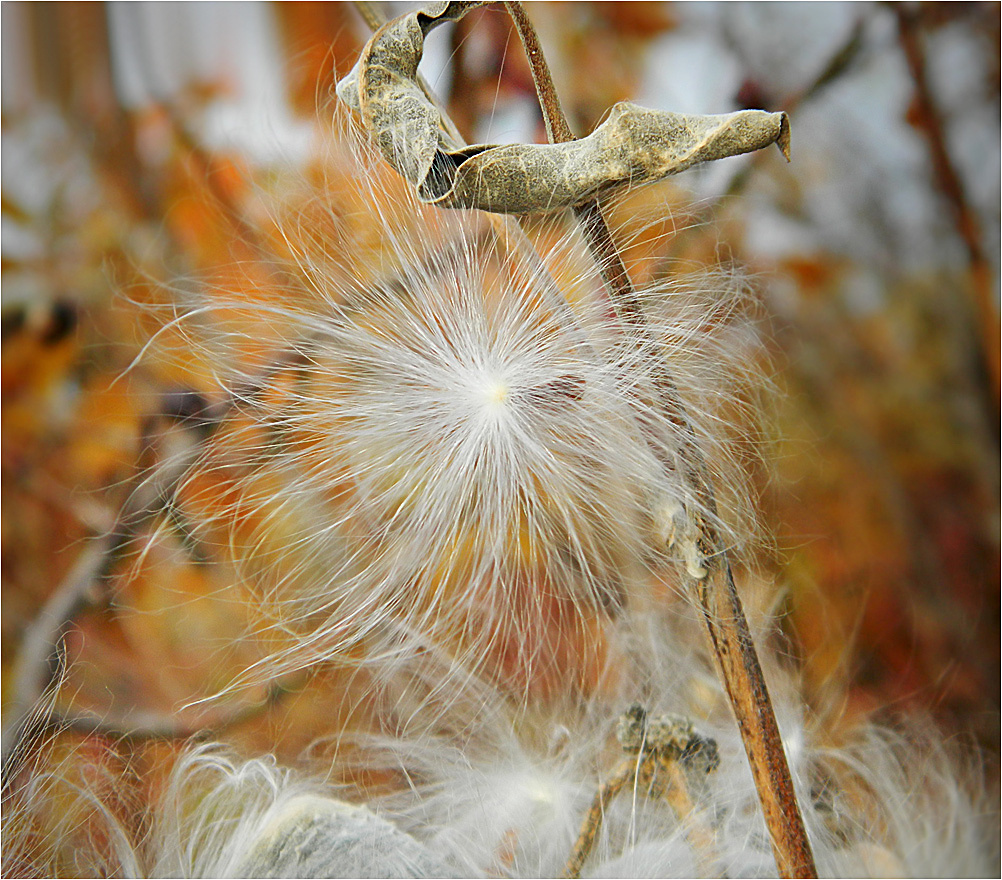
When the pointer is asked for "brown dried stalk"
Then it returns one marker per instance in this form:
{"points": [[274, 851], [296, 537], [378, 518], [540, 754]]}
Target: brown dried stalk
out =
{"points": [[625, 774], [41, 659], [662, 751], [717, 594], [406, 127], [984, 318], [151, 724]]}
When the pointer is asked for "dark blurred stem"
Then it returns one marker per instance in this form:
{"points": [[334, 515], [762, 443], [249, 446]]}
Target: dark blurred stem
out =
{"points": [[41, 658], [150, 724], [840, 61], [984, 317], [717, 595]]}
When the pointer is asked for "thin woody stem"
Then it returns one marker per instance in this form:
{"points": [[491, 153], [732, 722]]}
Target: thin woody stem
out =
{"points": [[625, 774], [557, 128], [983, 317], [716, 593], [656, 775], [589, 214], [697, 831], [746, 689]]}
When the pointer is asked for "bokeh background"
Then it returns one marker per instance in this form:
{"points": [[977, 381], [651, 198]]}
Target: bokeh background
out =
{"points": [[133, 133]]}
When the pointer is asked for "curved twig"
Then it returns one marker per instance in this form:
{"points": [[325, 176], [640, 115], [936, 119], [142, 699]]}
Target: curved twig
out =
{"points": [[41, 661], [710, 569], [983, 320], [150, 724]]}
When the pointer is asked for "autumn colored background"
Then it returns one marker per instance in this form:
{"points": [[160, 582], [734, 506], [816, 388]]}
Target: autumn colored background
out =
{"points": [[132, 135]]}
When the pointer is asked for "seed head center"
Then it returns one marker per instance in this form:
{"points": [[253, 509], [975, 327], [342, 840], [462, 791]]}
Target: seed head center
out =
{"points": [[496, 393]]}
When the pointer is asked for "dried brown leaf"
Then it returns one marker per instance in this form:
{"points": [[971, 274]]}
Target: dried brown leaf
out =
{"points": [[633, 146]]}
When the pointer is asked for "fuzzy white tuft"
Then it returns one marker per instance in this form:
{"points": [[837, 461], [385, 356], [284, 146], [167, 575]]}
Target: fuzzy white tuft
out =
{"points": [[460, 447], [222, 818], [485, 789]]}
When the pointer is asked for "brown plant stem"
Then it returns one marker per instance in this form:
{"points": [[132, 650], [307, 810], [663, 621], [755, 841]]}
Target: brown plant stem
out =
{"points": [[716, 593], [41, 659], [651, 773], [151, 724], [698, 832], [592, 823], [984, 318]]}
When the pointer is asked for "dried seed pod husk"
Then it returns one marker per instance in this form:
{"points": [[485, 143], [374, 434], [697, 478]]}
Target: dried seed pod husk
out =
{"points": [[633, 146]]}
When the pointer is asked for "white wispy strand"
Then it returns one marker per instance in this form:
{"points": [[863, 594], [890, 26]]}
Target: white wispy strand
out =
{"points": [[488, 789], [503, 792], [454, 454], [62, 813]]}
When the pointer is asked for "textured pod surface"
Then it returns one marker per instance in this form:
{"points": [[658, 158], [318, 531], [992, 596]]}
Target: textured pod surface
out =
{"points": [[318, 837], [633, 146]]}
